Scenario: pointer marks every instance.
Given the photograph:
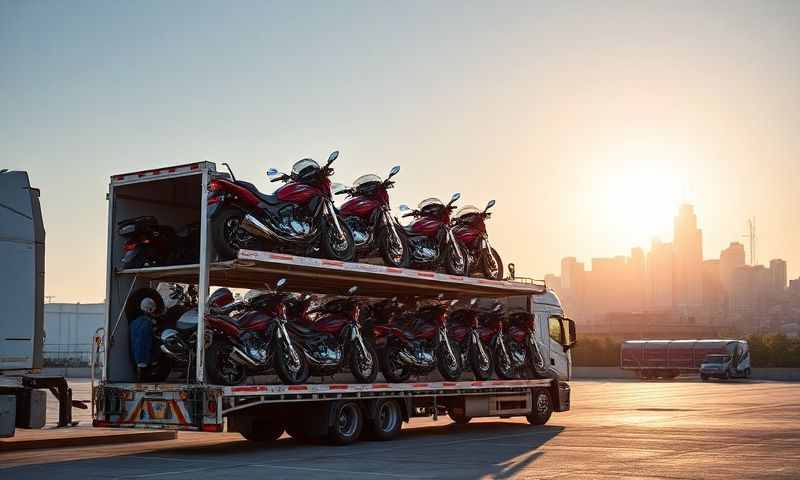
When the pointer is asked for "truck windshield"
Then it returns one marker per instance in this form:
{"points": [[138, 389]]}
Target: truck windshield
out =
{"points": [[716, 359]]}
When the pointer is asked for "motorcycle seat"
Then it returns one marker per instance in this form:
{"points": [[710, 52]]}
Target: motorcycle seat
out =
{"points": [[268, 199]]}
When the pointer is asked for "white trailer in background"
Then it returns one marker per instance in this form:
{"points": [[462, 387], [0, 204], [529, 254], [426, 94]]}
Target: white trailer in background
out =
{"points": [[22, 403], [177, 196]]}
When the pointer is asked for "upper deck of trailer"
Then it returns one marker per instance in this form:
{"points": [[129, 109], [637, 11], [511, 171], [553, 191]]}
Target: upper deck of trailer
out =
{"points": [[254, 269]]}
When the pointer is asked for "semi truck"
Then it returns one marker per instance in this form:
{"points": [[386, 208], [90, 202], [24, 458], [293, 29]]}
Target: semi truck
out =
{"points": [[671, 358], [22, 240], [334, 410]]}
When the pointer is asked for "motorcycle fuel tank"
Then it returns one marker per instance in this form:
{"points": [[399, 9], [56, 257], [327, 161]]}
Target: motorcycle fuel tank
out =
{"points": [[467, 235], [332, 324], [425, 331], [297, 193], [254, 321], [359, 206], [518, 334], [426, 226]]}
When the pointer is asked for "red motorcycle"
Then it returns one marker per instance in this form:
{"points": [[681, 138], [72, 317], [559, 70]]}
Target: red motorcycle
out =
{"points": [[298, 218], [419, 346], [431, 239], [469, 227], [253, 342], [332, 342], [369, 217], [466, 328], [516, 351]]}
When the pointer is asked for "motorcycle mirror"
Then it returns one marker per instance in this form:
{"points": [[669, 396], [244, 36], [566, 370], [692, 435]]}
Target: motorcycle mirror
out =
{"points": [[453, 302], [394, 171], [333, 156], [473, 302], [352, 290], [272, 172], [281, 282], [403, 208], [455, 197], [489, 205]]}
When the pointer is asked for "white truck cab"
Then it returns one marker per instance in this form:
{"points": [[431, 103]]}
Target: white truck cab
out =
{"points": [[554, 332]]}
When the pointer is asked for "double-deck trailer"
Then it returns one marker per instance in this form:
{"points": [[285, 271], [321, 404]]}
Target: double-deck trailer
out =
{"points": [[336, 411]]}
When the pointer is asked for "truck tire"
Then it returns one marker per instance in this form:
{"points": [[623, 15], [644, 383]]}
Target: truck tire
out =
{"points": [[347, 420], [263, 431], [386, 422], [542, 408], [459, 419]]}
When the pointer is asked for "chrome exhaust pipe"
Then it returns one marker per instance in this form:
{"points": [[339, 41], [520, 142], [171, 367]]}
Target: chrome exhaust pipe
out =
{"points": [[242, 358], [253, 226]]}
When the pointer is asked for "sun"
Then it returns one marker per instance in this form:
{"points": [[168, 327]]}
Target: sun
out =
{"points": [[641, 194]]}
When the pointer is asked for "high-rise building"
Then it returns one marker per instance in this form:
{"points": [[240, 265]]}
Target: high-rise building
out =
{"points": [[750, 296], [659, 276], [687, 259], [713, 293], [553, 282], [777, 271], [638, 280], [729, 260]]}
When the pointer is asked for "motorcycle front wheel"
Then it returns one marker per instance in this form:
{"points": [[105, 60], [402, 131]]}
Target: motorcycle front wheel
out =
{"points": [[502, 364], [456, 264], [289, 371], [337, 246], [394, 249], [450, 368], [482, 369], [537, 362], [493, 265], [365, 371]]}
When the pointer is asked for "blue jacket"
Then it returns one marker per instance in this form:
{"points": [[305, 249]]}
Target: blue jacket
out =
{"points": [[141, 333]]}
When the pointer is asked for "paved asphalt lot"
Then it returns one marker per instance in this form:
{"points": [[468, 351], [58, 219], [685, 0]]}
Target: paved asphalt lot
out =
{"points": [[617, 429]]}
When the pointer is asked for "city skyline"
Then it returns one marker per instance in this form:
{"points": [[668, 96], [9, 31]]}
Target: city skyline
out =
{"points": [[675, 281]]}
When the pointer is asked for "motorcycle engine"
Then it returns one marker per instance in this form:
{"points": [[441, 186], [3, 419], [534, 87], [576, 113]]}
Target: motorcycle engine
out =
{"points": [[424, 249], [255, 347], [292, 221], [361, 232], [324, 353]]}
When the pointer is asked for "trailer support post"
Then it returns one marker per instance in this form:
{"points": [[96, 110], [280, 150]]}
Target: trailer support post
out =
{"points": [[203, 287]]}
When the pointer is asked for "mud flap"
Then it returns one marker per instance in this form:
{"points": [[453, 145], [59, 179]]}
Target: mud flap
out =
{"points": [[560, 393]]}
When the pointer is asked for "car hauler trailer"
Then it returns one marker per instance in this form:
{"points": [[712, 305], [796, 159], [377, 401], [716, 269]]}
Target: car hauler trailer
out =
{"points": [[336, 411]]}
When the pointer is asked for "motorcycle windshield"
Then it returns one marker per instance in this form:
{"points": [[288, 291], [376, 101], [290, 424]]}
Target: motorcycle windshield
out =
{"points": [[304, 166], [467, 210], [428, 202], [364, 179]]}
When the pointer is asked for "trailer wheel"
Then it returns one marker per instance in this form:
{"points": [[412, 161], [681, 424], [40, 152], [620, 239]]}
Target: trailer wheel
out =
{"points": [[263, 431], [387, 421], [542, 408], [347, 422]]}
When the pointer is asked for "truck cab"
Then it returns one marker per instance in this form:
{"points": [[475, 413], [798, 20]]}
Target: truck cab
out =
{"points": [[555, 333], [734, 363]]}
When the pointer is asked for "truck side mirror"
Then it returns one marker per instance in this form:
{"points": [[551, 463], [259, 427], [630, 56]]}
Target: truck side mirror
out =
{"points": [[570, 333]]}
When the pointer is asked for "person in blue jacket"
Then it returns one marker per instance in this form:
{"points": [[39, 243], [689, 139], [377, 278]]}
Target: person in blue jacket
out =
{"points": [[141, 334]]}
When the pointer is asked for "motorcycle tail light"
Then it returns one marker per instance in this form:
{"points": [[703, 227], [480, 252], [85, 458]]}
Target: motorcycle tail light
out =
{"points": [[214, 186]]}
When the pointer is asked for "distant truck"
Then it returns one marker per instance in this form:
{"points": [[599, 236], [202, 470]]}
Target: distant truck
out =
{"points": [[671, 358]]}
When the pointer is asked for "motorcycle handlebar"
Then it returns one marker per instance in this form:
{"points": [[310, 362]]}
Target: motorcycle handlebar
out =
{"points": [[412, 214]]}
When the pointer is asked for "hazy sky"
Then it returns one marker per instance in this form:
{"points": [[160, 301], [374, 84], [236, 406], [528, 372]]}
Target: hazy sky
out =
{"points": [[588, 122]]}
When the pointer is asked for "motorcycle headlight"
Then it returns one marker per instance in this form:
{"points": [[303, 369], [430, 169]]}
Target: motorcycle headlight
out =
{"points": [[170, 338]]}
